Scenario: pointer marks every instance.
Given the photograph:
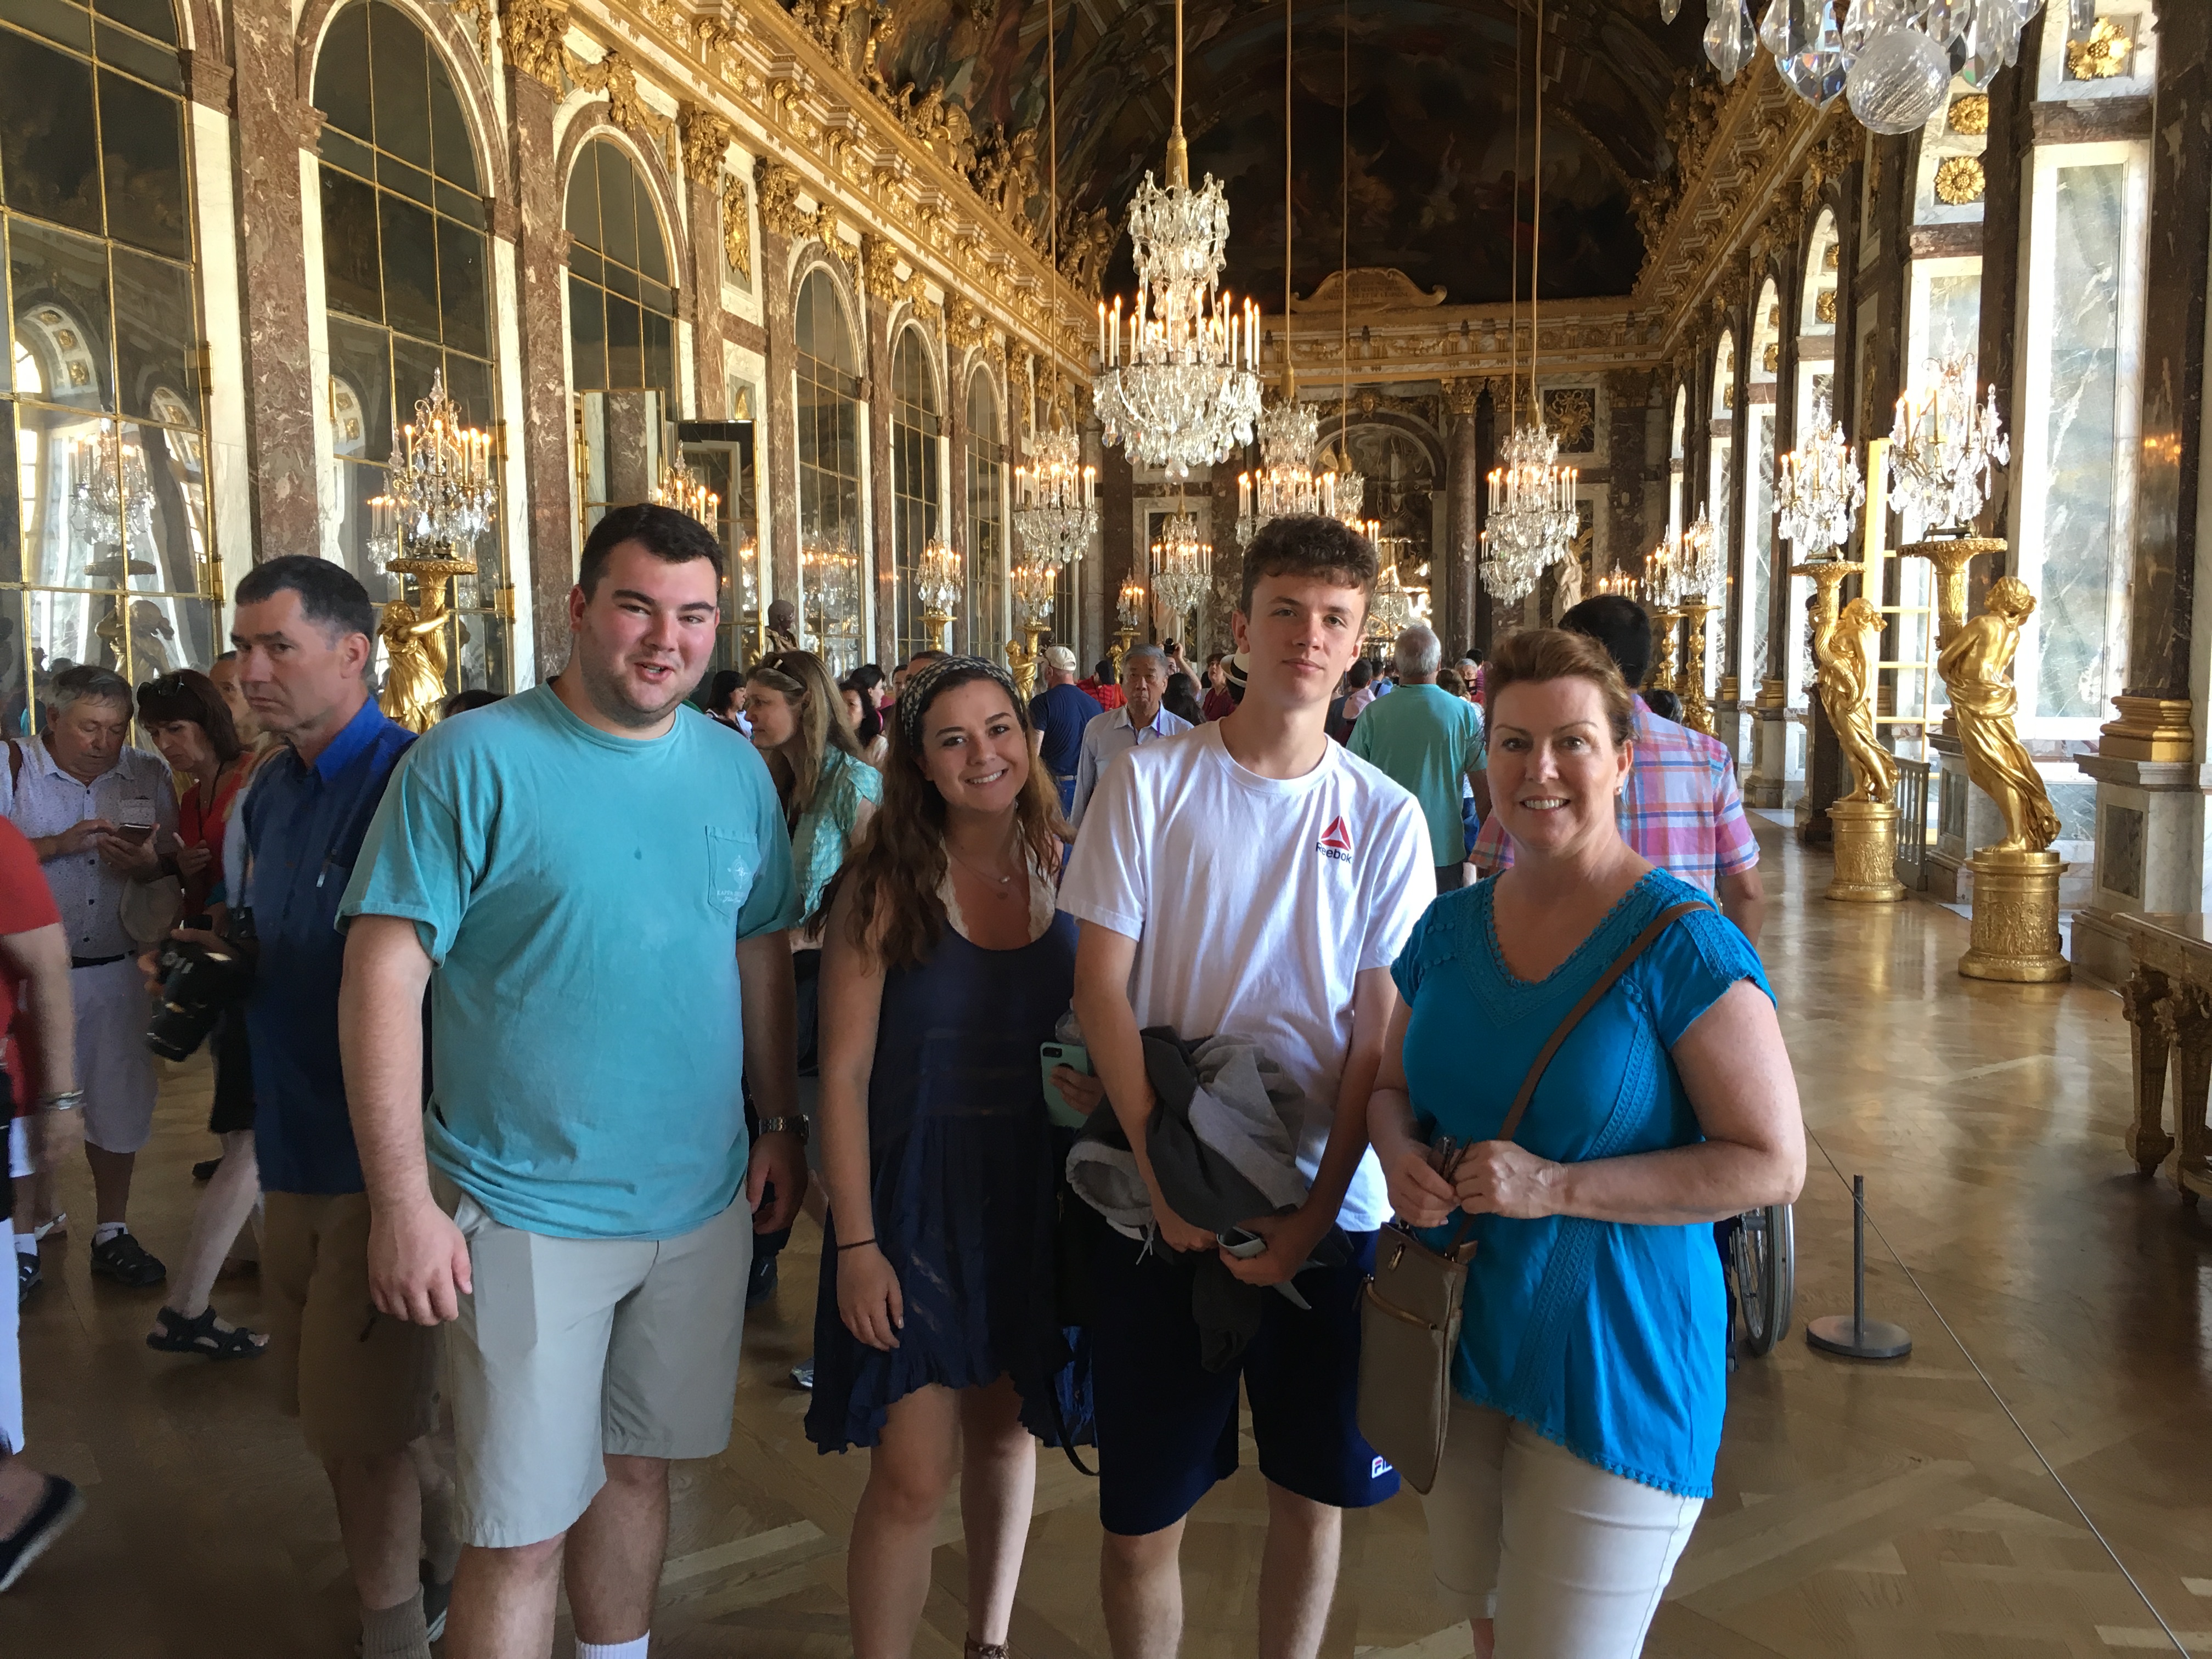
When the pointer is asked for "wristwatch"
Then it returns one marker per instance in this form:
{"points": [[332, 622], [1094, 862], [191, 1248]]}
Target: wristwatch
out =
{"points": [[67, 1101], [784, 1126]]}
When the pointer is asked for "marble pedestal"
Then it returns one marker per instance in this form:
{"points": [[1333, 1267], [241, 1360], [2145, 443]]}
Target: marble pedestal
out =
{"points": [[2151, 855], [1964, 818], [1767, 780]]}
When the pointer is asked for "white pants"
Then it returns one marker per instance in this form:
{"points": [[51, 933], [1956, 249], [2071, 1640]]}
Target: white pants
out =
{"points": [[1570, 1560], [114, 1066]]}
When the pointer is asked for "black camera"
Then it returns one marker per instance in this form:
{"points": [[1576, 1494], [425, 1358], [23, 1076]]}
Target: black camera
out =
{"points": [[197, 983]]}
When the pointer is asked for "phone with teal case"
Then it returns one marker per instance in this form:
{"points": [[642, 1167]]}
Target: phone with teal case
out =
{"points": [[1075, 1057]]}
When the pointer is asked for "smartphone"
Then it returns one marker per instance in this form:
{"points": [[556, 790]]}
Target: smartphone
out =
{"points": [[1075, 1057]]}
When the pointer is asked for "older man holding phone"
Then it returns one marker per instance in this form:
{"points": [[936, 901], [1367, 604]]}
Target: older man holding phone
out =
{"points": [[98, 814]]}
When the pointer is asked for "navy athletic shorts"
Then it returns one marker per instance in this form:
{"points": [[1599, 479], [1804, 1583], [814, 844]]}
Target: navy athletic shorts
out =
{"points": [[1167, 1426]]}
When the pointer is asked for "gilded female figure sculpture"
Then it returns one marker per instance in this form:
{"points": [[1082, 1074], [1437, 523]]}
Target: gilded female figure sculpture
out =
{"points": [[1976, 666], [415, 656], [1843, 646]]}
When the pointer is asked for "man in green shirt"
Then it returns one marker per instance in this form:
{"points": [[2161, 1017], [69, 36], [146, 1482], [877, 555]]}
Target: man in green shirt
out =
{"points": [[1428, 740]]}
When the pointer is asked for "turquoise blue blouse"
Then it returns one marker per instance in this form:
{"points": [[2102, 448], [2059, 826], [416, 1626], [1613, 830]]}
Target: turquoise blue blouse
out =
{"points": [[1606, 1338], [818, 840]]}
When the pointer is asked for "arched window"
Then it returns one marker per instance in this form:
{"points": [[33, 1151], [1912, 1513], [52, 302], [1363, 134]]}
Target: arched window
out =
{"points": [[1815, 387], [406, 275], [105, 555], [914, 430], [986, 522], [830, 523], [622, 328], [1721, 456], [1678, 449]]}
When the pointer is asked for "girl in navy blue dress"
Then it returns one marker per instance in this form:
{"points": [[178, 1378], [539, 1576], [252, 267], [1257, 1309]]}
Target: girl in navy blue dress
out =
{"points": [[936, 1339]]}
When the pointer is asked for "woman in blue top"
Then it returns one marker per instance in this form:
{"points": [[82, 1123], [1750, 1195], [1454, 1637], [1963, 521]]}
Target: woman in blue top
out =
{"points": [[937, 1335], [1591, 1373]]}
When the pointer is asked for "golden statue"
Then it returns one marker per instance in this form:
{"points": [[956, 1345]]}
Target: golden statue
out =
{"points": [[1843, 646], [414, 638], [1976, 666]]}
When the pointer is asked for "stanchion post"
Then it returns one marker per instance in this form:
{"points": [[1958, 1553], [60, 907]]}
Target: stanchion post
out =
{"points": [[1858, 1337]]}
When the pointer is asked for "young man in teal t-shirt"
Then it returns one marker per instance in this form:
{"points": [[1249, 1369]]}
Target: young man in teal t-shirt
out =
{"points": [[594, 883]]}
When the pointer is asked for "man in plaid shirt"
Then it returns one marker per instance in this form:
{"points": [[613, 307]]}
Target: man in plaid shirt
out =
{"points": [[1680, 807]]}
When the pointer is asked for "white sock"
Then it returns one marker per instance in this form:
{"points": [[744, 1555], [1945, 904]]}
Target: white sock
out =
{"points": [[26, 1243], [107, 1229], [613, 1650]]}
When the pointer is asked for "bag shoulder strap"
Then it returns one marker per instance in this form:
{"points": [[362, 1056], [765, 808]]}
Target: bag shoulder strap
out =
{"points": [[14, 764], [1605, 982]]}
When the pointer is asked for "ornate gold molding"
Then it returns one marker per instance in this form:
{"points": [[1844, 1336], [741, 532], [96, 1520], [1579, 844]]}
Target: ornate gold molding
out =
{"points": [[707, 139], [617, 76], [536, 34], [1959, 180], [966, 326], [779, 185], [736, 227], [2149, 729]]}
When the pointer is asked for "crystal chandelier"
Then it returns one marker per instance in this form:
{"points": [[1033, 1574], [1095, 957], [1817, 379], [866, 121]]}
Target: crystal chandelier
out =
{"points": [[1818, 489], [1942, 449], [109, 497], [441, 489], [1532, 516], [1698, 564], [1033, 585], [1182, 565], [1892, 59], [1055, 498], [1188, 392], [1286, 485], [684, 490], [1129, 610]]}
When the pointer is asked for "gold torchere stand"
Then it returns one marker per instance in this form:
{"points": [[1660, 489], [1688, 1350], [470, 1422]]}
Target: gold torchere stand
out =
{"points": [[1023, 661], [1864, 821], [414, 641], [1662, 677], [1123, 639], [2016, 881], [1697, 711], [939, 624]]}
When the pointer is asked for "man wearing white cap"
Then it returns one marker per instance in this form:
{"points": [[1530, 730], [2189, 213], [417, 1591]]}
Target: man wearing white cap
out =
{"points": [[1057, 717]]}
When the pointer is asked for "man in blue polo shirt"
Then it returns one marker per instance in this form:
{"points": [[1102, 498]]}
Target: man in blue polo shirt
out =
{"points": [[362, 1387]]}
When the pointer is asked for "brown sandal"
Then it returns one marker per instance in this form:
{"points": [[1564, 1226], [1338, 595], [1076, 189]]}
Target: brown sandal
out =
{"points": [[992, 1651]]}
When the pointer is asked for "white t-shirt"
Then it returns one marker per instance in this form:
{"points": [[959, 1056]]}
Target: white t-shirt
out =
{"points": [[1255, 903]]}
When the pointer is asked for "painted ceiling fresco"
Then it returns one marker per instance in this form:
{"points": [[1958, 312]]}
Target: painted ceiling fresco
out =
{"points": [[1432, 124]]}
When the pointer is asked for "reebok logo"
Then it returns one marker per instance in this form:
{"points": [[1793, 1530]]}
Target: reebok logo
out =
{"points": [[1335, 841]]}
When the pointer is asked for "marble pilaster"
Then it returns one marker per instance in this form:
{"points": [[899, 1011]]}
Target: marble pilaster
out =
{"points": [[956, 474], [774, 442], [882, 503], [703, 207], [274, 125], [1228, 572], [1117, 521], [544, 429], [2007, 161], [1628, 398], [1460, 566]]}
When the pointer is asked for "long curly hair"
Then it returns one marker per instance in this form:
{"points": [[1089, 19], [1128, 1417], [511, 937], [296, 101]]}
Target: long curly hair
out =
{"points": [[806, 684], [899, 863]]}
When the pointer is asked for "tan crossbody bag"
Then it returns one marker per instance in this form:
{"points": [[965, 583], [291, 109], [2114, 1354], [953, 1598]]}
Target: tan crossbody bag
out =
{"points": [[1409, 1319]]}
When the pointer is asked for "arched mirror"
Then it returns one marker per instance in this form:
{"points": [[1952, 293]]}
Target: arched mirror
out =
{"points": [[406, 276], [833, 541], [914, 505], [106, 554], [986, 621]]}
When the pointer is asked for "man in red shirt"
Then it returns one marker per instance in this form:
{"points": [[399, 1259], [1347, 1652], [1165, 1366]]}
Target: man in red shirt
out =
{"points": [[34, 962]]}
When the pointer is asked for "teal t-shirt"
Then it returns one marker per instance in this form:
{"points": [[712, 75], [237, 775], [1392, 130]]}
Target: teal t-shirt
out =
{"points": [[1426, 739], [581, 896]]}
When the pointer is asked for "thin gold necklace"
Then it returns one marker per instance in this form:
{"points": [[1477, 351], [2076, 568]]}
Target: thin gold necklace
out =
{"points": [[1005, 883]]}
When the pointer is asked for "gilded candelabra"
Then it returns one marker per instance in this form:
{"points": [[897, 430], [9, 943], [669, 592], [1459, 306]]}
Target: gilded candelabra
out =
{"points": [[1130, 613], [1032, 585], [440, 501], [937, 587], [1697, 710]]}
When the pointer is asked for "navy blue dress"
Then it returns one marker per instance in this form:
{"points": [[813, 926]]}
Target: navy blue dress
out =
{"points": [[965, 1170]]}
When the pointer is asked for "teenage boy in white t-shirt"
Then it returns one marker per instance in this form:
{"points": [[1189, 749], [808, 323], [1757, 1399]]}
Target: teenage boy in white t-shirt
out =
{"points": [[1248, 876]]}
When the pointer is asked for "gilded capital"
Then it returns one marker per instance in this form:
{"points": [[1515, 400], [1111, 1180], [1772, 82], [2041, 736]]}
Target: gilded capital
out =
{"points": [[778, 184], [1462, 394], [879, 266], [536, 32], [707, 138]]}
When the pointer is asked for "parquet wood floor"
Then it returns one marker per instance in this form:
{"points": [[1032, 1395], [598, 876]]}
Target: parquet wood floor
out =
{"points": [[1892, 1512]]}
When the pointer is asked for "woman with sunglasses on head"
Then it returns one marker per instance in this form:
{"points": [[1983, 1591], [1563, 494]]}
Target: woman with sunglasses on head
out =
{"points": [[938, 1345], [190, 722]]}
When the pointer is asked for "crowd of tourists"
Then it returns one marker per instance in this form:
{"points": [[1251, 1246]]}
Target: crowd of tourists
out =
{"points": [[1126, 1041]]}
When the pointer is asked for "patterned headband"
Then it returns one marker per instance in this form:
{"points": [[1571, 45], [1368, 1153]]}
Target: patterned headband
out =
{"points": [[920, 687]]}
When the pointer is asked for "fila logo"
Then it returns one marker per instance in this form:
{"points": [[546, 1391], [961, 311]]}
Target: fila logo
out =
{"points": [[1377, 1469], [1336, 841]]}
